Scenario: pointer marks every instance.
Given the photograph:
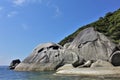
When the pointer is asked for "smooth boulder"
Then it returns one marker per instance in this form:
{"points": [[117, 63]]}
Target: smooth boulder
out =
{"points": [[115, 58], [48, 56], [92, 45]]}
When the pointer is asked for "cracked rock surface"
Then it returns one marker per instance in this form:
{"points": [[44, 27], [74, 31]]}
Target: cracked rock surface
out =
{"points": [[48, 56], [92, 45], [88, 45]]}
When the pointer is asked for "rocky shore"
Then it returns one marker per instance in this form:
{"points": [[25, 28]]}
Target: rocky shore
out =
{"points": [[91, 72], [90, 54]]}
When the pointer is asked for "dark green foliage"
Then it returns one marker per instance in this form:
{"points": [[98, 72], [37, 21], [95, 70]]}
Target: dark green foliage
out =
{"points": [[108, 25]]}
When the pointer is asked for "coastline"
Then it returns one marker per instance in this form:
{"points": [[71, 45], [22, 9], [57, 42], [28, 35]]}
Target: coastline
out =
{"points": [[91, 72]]}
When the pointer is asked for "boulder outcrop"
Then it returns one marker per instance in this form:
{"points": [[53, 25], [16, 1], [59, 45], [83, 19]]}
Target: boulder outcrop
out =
{"points": [[89, 45], [92, 45], [49, 56], [14, 63]]}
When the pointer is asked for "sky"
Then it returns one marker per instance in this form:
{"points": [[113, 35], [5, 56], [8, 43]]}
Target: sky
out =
{"points": [[24, 24]]}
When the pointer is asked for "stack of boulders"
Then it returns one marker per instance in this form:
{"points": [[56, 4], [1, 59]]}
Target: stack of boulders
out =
{"points": [[89, 49]]}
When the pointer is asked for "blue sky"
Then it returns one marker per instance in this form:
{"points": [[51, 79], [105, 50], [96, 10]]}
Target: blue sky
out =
{"points": [[26, 23]]}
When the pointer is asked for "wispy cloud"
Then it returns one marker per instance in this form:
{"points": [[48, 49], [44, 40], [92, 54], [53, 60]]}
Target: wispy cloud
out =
{"points": [[11, 14], [22, 2], [18, 2], [57, 11], [47, 3]]}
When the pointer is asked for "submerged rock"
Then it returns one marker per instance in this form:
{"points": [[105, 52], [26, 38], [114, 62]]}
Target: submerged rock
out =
{"points": [[48, 56], [14, 63]]}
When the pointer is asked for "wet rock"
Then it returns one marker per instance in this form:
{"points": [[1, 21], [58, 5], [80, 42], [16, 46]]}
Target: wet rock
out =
{"points": [[14, 63]]}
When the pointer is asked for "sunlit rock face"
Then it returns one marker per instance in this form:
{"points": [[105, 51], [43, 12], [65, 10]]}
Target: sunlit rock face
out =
{"points": [[48, 56], [88, 45], [92, 45]]}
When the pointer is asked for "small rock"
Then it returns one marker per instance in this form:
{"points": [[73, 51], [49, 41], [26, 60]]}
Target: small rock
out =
{"points": [[115, 58], [14, 63], [86, 64]]}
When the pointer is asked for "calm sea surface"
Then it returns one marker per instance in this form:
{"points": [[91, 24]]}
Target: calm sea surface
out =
{"points": [[6, 74]]}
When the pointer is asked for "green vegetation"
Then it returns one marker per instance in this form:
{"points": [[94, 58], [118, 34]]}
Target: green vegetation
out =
{"points": [[109, 25]]}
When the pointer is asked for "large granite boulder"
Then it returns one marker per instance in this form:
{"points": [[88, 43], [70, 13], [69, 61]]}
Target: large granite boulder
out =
{"points": [[14, 63], [48, 56], [88, 45], [92, 45]]}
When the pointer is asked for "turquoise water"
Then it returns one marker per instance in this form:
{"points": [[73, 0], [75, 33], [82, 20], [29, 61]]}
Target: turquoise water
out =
{"points": [[6, 74]]}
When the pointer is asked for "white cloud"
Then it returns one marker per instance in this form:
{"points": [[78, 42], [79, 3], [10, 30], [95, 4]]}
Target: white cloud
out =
{"points": [[57, 11], [22, 2], [11, 14], [18, 2]]}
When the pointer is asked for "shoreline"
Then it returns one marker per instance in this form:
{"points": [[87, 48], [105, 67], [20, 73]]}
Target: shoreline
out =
{"points": [[91, 72]]}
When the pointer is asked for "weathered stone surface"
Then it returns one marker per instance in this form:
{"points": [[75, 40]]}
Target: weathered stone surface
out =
{"points": [[14, 63], [88, 45], [101, 63], [66, 66], [92, 45], [115, 58], [92, 72], [48, 56]]}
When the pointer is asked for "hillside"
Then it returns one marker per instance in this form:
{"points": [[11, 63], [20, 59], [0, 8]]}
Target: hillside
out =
{"points": [[108, 25]]}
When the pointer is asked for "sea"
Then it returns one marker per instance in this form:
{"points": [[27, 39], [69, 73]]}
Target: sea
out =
{"points": [[6, 74]]}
